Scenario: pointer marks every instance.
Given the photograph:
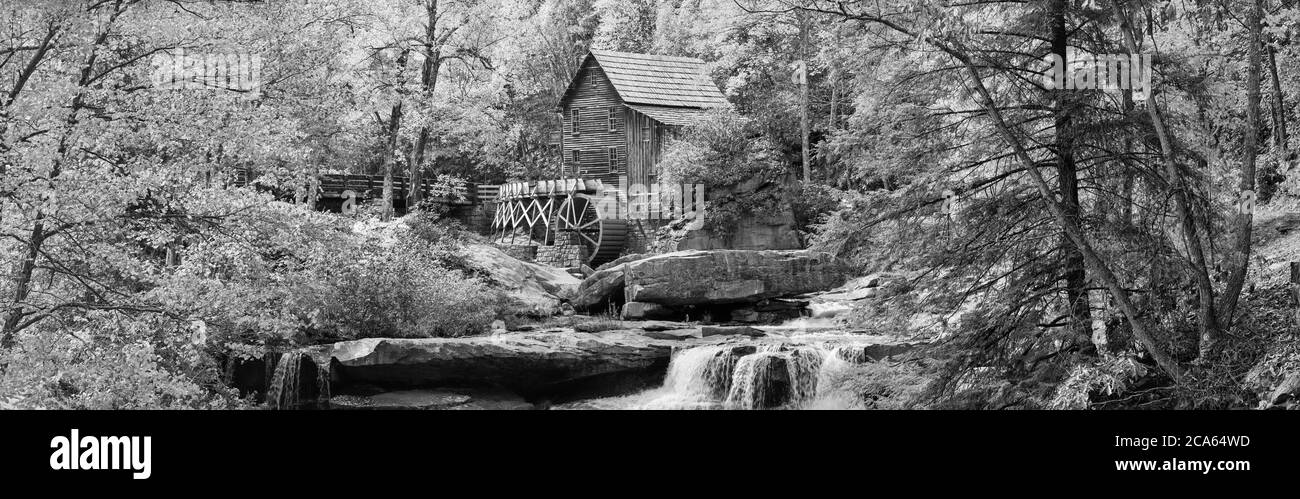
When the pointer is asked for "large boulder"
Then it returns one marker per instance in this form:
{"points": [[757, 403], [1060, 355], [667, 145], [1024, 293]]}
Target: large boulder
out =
{"points": [[537, 288], [729, 276], [597, 288], [530, 364]]}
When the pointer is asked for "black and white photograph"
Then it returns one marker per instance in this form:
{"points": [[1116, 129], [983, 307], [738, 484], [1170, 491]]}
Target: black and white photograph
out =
{"points": [[828, 212]]}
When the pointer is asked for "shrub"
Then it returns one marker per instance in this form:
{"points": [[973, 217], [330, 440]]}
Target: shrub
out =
{"points": [[880, 385], [401, 291], [113, 361], [255, 275], [724, 151], [279, 276], [813, 204]]}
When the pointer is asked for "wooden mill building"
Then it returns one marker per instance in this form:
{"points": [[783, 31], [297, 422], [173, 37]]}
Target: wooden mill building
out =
{"points": [[621, 108]]}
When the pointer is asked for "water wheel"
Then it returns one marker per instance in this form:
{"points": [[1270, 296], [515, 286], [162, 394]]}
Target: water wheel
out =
{"points": [[579, 220]]}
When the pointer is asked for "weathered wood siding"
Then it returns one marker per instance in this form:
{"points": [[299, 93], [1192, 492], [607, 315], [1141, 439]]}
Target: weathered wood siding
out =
{"points": [[593, 136], [642, 154]]}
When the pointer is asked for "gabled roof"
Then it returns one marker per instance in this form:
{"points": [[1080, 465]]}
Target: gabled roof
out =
{"points": [[656, 80]]}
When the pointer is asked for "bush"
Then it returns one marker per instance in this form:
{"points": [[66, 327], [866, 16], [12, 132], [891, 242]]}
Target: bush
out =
{"points": [[401, 291], [813, 205], [254, 276], [445, 238], [723, 151], [113, 361], [880, 385], [279, 276]]}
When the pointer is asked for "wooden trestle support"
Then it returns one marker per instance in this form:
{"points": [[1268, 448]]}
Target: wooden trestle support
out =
{"points": [[559, 212]]}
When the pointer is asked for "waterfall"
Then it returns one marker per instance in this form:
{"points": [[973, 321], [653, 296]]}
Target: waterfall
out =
{"points": [[753, 376], [699, 378], [702, 372], [323, 385], [777, 376], [298, 382], [762, 381], [283, 389]]}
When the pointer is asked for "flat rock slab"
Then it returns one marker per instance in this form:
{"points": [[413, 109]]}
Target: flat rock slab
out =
{"points": [[431, 400], [729, 276], [523, 363], [658, 325], [674, 334], [407, 399], [596, 325], [708, 331]]}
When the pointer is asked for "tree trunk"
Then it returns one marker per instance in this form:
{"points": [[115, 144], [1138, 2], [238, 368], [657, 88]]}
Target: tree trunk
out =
{"points": [[1076, 282], [1279, 114], [428, 83], [26, 267], [416, 168], [803, 95], [1246, 187], [390, 158], [835, 83], [22, 283], [1188, 217], [1168, 364]]}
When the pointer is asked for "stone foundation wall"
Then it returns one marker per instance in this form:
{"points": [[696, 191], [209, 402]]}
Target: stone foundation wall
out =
{"points": [[640, 234], [561, 255], [527, 253]]}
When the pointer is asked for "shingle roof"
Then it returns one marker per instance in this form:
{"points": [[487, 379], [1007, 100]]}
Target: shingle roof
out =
{"points": [[658, 80], [671, 115]]}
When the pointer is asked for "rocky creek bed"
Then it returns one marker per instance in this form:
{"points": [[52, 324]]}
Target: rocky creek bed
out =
{"points": [[769, 341], [666, 366]]}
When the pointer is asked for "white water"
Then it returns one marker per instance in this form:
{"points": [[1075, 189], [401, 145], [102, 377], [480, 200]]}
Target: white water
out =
{"points": [[285, 391], [780, 374], [282, 392]]}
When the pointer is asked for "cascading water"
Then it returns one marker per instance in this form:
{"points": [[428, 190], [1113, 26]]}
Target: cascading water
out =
{"points": [[699, 378], [778, 375], [323, 385], [283, 389], [297, 382], [762, 381]]}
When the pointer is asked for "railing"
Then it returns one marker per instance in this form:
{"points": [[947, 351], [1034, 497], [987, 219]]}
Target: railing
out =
{"points": [[342, 185], [547, 188]]}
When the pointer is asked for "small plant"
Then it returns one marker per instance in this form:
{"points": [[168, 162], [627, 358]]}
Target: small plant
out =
{"points": [[608, 320]]}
